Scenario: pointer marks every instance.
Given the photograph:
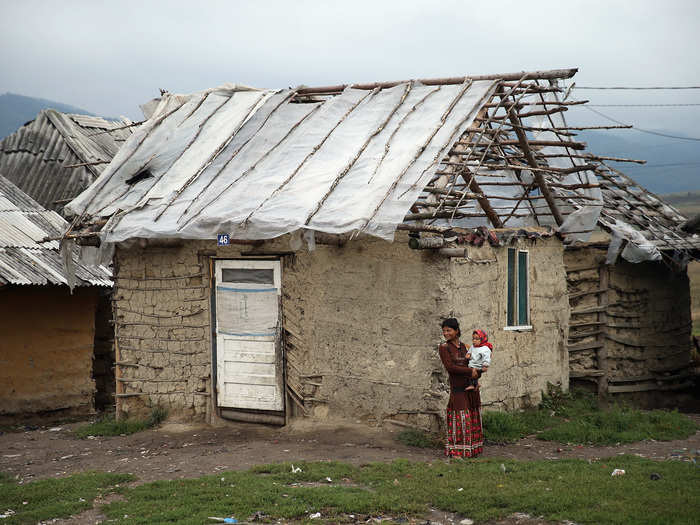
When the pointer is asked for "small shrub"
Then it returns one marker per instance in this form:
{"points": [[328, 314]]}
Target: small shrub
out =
{"points": [[109, 426], [502, 427], [508, 427], [417, 438], [158, 415]]}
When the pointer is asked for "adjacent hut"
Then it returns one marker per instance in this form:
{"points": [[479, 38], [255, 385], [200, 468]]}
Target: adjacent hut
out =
{"points": [[630, 330], [57, 155], [255, 273], [50, 366]]}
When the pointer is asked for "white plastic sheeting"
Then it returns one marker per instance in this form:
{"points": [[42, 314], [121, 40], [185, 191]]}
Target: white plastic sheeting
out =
{"points": [[250, 163]]}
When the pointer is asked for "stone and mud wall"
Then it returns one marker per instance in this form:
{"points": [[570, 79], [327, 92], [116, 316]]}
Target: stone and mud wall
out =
{"points": [[361, 327], [46, 351], [630, 326]]}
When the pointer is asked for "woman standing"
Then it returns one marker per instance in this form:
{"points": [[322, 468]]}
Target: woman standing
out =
{"points": [[465, 438]]}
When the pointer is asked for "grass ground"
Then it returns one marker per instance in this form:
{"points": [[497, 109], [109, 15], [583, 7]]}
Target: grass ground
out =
{"points": [[580, 490], [575, 418], [53, 498], [109, 426], [583, 491]]}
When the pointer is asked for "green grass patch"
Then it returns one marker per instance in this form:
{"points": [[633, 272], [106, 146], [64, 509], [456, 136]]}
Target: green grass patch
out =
{"points": [[575, 418], [556, 490], [55, 498], [621, 425], [109, 426]]}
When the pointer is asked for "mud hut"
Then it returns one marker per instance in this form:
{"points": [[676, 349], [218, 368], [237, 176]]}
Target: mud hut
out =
{"points": [[47, 334], [630, 329], [52, 159], [255, 273]]}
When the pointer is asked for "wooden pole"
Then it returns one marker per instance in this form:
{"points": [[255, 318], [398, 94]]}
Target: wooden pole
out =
{"points": [[539, 179], [523, 75], [559, 143], [602, 352]]}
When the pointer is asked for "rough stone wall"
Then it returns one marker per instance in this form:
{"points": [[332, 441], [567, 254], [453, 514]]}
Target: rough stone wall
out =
{"points": [[46, 350], [162, 331], [362, 324], [647, 325]]}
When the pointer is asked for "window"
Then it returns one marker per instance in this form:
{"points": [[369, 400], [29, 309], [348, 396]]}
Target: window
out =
{"points": [[518, 311]]}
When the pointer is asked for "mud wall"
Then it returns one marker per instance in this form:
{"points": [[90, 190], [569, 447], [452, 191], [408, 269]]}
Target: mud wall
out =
{"points": [[523, 361], [362, 324], [644, 332], [162, 330], [46, 350]]}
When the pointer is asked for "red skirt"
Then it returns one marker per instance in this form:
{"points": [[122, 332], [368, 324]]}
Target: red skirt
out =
{"points": [[465, 438]]}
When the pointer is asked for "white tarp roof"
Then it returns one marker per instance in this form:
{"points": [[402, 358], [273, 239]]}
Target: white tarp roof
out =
{"points": [[251, 164]]}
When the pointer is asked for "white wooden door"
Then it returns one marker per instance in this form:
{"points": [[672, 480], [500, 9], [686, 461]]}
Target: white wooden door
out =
{"points": [[249, 371]]}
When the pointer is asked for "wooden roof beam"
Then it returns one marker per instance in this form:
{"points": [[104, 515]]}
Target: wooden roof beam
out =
{"points": [[539, 179], [550, 74]]}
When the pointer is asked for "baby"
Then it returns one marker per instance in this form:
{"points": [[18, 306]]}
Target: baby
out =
{"points": [[479, 355]]}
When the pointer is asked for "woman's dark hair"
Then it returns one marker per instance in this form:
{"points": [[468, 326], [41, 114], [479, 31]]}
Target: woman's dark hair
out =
{"points": [[452, 323]]}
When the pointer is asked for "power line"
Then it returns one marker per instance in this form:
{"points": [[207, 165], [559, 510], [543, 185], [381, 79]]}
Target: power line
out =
{"points": [[639, 129], [640, 105], [637, 88], [669, 165]]}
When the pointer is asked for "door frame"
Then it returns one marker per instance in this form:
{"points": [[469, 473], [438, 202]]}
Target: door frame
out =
{"points": [[242, 414]]}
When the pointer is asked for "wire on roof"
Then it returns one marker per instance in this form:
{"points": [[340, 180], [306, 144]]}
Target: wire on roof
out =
{"points": [[640, 129], [641, 105], [637, 88]]}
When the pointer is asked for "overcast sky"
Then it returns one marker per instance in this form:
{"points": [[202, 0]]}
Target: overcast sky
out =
{"points": [[109, 57]]}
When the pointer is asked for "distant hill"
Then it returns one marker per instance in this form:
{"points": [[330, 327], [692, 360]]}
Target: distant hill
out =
{"points": [[17, 110], [673, 165], [688, 203]]}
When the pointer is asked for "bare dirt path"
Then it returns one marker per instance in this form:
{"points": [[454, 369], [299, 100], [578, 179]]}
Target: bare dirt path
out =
{"points": [[184, 451]]}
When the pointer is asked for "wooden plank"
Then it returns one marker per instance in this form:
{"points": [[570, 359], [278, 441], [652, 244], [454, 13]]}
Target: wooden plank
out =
{"points": [[603, 300], [637, 379], [582, 269], [578, 347], [650, 377], [582, 294], [592, 323], [591, 310], [587, 373], [617, 389], [581, 335]]}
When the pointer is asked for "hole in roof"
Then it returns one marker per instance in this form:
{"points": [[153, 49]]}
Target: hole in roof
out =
{"points": [[141, 175]]}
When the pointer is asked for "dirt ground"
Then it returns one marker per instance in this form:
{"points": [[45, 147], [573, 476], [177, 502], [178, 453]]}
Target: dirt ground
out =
{"points": [[184, 451]]}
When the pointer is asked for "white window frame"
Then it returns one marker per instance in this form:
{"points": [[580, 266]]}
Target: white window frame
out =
{"points": [[516, 291]]}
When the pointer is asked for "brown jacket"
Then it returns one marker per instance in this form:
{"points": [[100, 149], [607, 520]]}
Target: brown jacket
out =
{"points": [[454, 360]]}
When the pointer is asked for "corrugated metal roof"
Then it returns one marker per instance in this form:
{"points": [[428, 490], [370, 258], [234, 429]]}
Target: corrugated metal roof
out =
{"points": [[628, 203], [25, 260], [40, 158]]}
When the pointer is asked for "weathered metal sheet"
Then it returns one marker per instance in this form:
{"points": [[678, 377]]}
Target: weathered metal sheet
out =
{"points": [[24, 259], [53, 158]]}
